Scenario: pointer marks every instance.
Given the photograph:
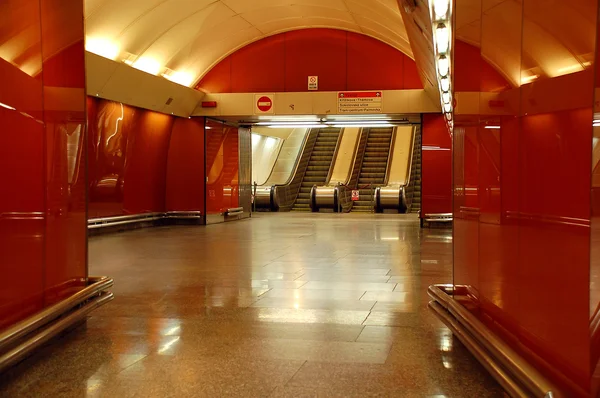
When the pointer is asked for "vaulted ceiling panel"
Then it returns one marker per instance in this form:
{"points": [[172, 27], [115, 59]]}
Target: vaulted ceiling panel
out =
{"points": [[183, 39]]}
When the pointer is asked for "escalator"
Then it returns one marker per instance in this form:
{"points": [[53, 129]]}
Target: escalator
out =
{"points": [[374, 167], [320, 163]]}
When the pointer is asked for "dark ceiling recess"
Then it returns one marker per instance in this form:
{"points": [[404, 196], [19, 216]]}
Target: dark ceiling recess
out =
{"points": [[169, 101]]}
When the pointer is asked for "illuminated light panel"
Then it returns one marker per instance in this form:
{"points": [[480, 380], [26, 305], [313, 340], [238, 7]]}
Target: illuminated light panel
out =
{"points": [[102, 47], [298, 126], [443, 66], [7, 107], [446, 97], [183, 78], [445, 84], [383, 125], [440, 9], [148, 65], [447, 108], [528, 79], [490, 127], [570, 69], [442, 38]]}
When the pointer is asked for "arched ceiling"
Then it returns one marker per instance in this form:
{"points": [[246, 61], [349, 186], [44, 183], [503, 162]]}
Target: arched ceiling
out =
{"points": [[183, 39], [543, 52]]}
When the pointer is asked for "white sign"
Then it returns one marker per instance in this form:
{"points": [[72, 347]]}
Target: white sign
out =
{"points": [[360, 102], [263, 103], [313, 83]]}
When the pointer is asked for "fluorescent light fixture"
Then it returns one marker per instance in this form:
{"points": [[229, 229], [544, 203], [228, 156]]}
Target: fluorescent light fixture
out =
{"points": [[447, 108], [287, 123], [359, 123], [102, 47], [440, 9], [442, 38], [148, 65], [183, 78], [446, 97], [443, 65], [7, 107], [298, 126], [492, 127], [382, 125], [448, 117]]}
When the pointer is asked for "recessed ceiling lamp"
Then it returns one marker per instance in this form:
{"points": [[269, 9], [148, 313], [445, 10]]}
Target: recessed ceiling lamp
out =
{"points": [[148, 65], [102, 47], [183, 78]]}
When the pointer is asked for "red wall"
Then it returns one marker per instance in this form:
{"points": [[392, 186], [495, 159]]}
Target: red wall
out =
{"points": [[185, 168], [436, 166], [143, 161], [43, 227], [222, 166], [128, 150], [342, 61], [522, 207]]}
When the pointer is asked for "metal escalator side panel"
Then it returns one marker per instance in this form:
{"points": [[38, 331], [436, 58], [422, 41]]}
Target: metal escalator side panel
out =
{"points": [[284, 195]]}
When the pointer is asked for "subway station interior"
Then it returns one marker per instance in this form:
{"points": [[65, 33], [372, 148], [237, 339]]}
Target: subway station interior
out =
{"points": [[299, 198]]}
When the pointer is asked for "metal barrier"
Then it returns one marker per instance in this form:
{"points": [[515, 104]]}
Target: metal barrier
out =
{"points": [[518, 377], [390, 198], [234, 211], [324, 197], [19, 340]]}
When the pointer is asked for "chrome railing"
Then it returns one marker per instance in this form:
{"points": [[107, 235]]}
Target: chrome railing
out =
{"points": [[518, 377], [19, 340]]}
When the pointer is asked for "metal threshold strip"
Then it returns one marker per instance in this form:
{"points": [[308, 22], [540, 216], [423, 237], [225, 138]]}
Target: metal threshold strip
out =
{"points": [[21, 339], [518, 377]]}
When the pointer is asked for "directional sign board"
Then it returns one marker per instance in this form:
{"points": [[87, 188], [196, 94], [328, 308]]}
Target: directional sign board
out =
{"points": [[360, 102]]}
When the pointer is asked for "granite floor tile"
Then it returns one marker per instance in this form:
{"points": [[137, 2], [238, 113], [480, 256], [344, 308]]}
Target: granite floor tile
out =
{"points": [[282, 305]]}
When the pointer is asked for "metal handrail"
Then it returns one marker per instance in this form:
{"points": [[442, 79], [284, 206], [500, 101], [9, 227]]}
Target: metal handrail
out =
{"points": [[334, 158], [390, 155], [524, 372], [37, 338], [23, 328]]}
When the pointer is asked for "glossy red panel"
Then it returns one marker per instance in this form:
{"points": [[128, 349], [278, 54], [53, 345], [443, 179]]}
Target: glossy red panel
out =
{"points": [[523, 241], [128, 159], [43, 223], [436, 166], [222, 165], [342, 60], [185, 168], [145, 174]]}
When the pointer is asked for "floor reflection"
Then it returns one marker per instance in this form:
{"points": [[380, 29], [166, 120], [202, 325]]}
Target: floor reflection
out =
{"points": [[280, 305]]}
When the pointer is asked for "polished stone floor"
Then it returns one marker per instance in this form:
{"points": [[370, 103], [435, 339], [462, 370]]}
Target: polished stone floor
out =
{"points": [[282, 305]]}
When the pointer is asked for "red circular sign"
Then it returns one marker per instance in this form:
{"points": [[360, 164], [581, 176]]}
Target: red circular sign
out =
{"points": [[264, 104]]}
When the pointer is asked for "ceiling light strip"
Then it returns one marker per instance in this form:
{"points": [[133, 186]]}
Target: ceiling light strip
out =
{"points": [[441, 17]]}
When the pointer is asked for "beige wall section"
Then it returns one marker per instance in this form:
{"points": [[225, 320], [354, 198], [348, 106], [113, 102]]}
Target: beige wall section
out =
{"points": [[265, 151], [345, 156], [269, 132], [286, 161], [315, 103], [119, 82], [400, 167]]}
